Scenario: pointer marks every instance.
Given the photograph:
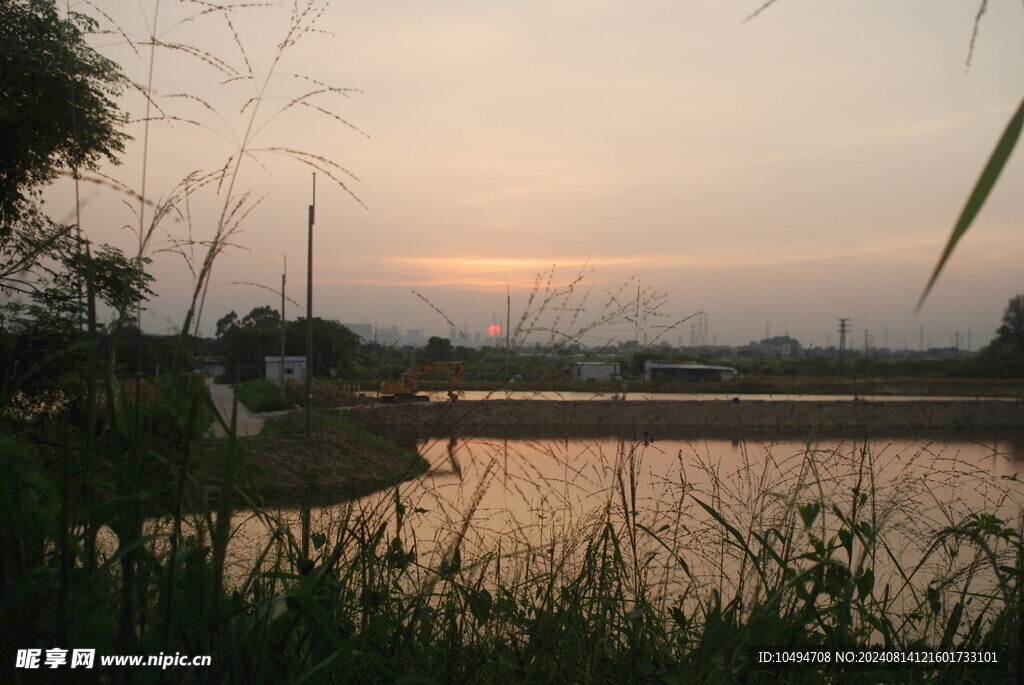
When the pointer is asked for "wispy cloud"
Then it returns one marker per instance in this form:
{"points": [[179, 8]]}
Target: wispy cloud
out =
{"points": [[717, 257], [904, 132]]}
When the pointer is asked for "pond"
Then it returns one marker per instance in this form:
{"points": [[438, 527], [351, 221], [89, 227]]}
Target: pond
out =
{"points": [[698, 510], [577, 396], [527, 491]]}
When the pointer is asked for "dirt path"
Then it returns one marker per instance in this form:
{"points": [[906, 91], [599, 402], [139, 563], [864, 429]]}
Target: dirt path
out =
{"points": [[223, 398]]}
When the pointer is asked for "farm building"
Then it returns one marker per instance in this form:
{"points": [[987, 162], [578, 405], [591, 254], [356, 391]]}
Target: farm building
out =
{"points": [[210, 366], [687, 373], [294, 369], [595, 371]]}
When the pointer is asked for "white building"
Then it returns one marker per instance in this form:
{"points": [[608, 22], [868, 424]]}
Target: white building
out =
{"points": [[595, 371], [294, 369], [687, 372]]}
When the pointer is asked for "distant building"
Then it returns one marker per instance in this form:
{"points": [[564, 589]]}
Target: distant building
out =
{"points": [[210, 366], [687, 372], [595, 371], [294, 369], [363, 330], [779, 346], [388, 336]]}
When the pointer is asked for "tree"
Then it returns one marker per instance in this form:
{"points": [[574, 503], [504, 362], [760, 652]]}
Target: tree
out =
{"points": [[1011, 333], [334, 346], [246, 342], [438, 349], [262, 318], [56, 103], [56, 112], [226, 323], [1004, 356]]}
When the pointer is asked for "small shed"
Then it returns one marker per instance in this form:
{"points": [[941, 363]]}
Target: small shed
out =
{"points": [[595, 371], [687, 373], [210, 366], [294, 369]]}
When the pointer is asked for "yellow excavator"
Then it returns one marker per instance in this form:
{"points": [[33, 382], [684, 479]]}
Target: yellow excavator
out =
{"points": [[405, 388]]}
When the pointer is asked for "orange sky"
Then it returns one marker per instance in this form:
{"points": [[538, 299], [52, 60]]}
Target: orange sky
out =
{"points": [[776, 174]]}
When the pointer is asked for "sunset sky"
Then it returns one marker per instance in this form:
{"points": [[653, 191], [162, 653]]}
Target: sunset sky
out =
{"points": [[777, 173]]}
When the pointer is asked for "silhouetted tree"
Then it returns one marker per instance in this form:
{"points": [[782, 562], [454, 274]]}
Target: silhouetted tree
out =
{"points": [[438, 349], [1004, 356]]}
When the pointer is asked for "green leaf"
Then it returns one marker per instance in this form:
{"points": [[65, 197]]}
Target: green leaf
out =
{"points": [[809, 512], [480, 604], [982, 188], [865, 584]]}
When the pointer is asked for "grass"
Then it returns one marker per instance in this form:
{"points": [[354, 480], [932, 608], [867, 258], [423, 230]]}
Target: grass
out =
{"points": [[261, 396], [679, 585]]}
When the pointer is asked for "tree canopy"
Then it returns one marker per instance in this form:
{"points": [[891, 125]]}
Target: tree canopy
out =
{"points": [[57, 113], [56, 102], [246, 341], [1004, 356]]}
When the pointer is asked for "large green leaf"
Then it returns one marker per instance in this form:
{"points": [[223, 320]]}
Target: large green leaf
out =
{"points": [[985, 183]]}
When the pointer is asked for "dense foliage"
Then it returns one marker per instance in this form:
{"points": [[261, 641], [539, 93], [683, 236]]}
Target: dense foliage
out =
{"points": [[57, 107], [246, 342]]}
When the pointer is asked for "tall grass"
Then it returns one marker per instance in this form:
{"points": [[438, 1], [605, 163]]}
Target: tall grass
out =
{"points": [[112, 541], [672, 580]]}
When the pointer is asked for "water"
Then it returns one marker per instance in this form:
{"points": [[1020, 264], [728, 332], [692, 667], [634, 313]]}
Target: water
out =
{"points": [[523, 497], [442, 396], [527, 498], [514, 488]]}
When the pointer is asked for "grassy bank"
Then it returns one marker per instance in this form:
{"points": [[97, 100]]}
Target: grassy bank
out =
{"points": [[343, 461], [335, 393], [353, 596], [261, 396], [869, 418]]}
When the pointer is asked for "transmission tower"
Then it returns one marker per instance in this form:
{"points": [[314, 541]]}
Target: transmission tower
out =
{"points": [[844, 327]]}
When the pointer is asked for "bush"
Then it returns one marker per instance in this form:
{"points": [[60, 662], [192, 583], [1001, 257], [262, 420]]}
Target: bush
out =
{"points": [[261, 395]]}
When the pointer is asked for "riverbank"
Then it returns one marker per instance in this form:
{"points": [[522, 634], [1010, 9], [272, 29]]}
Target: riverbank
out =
{"points": [[342, 462], [829, 415]]}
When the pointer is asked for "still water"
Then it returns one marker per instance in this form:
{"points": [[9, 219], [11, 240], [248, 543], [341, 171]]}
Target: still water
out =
{"points": [[523, 497], [523, 491], [439, 396]]}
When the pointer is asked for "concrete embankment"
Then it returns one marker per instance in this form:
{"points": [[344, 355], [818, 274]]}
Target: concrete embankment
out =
{"points": [[830, 415]]}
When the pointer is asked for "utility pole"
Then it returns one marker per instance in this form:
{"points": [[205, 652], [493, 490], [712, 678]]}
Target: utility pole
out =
{"points": [[921, 344], [309, 320], [865, 343], [304, 512], [508, 323], [281, 379], [843, 328]]}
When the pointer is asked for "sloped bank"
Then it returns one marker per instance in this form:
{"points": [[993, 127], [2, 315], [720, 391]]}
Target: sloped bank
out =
{"points": [[830, 415], [342, 462]]}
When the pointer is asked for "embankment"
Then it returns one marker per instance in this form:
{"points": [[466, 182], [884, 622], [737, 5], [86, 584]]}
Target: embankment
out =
{"points": [[829, 415]]}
